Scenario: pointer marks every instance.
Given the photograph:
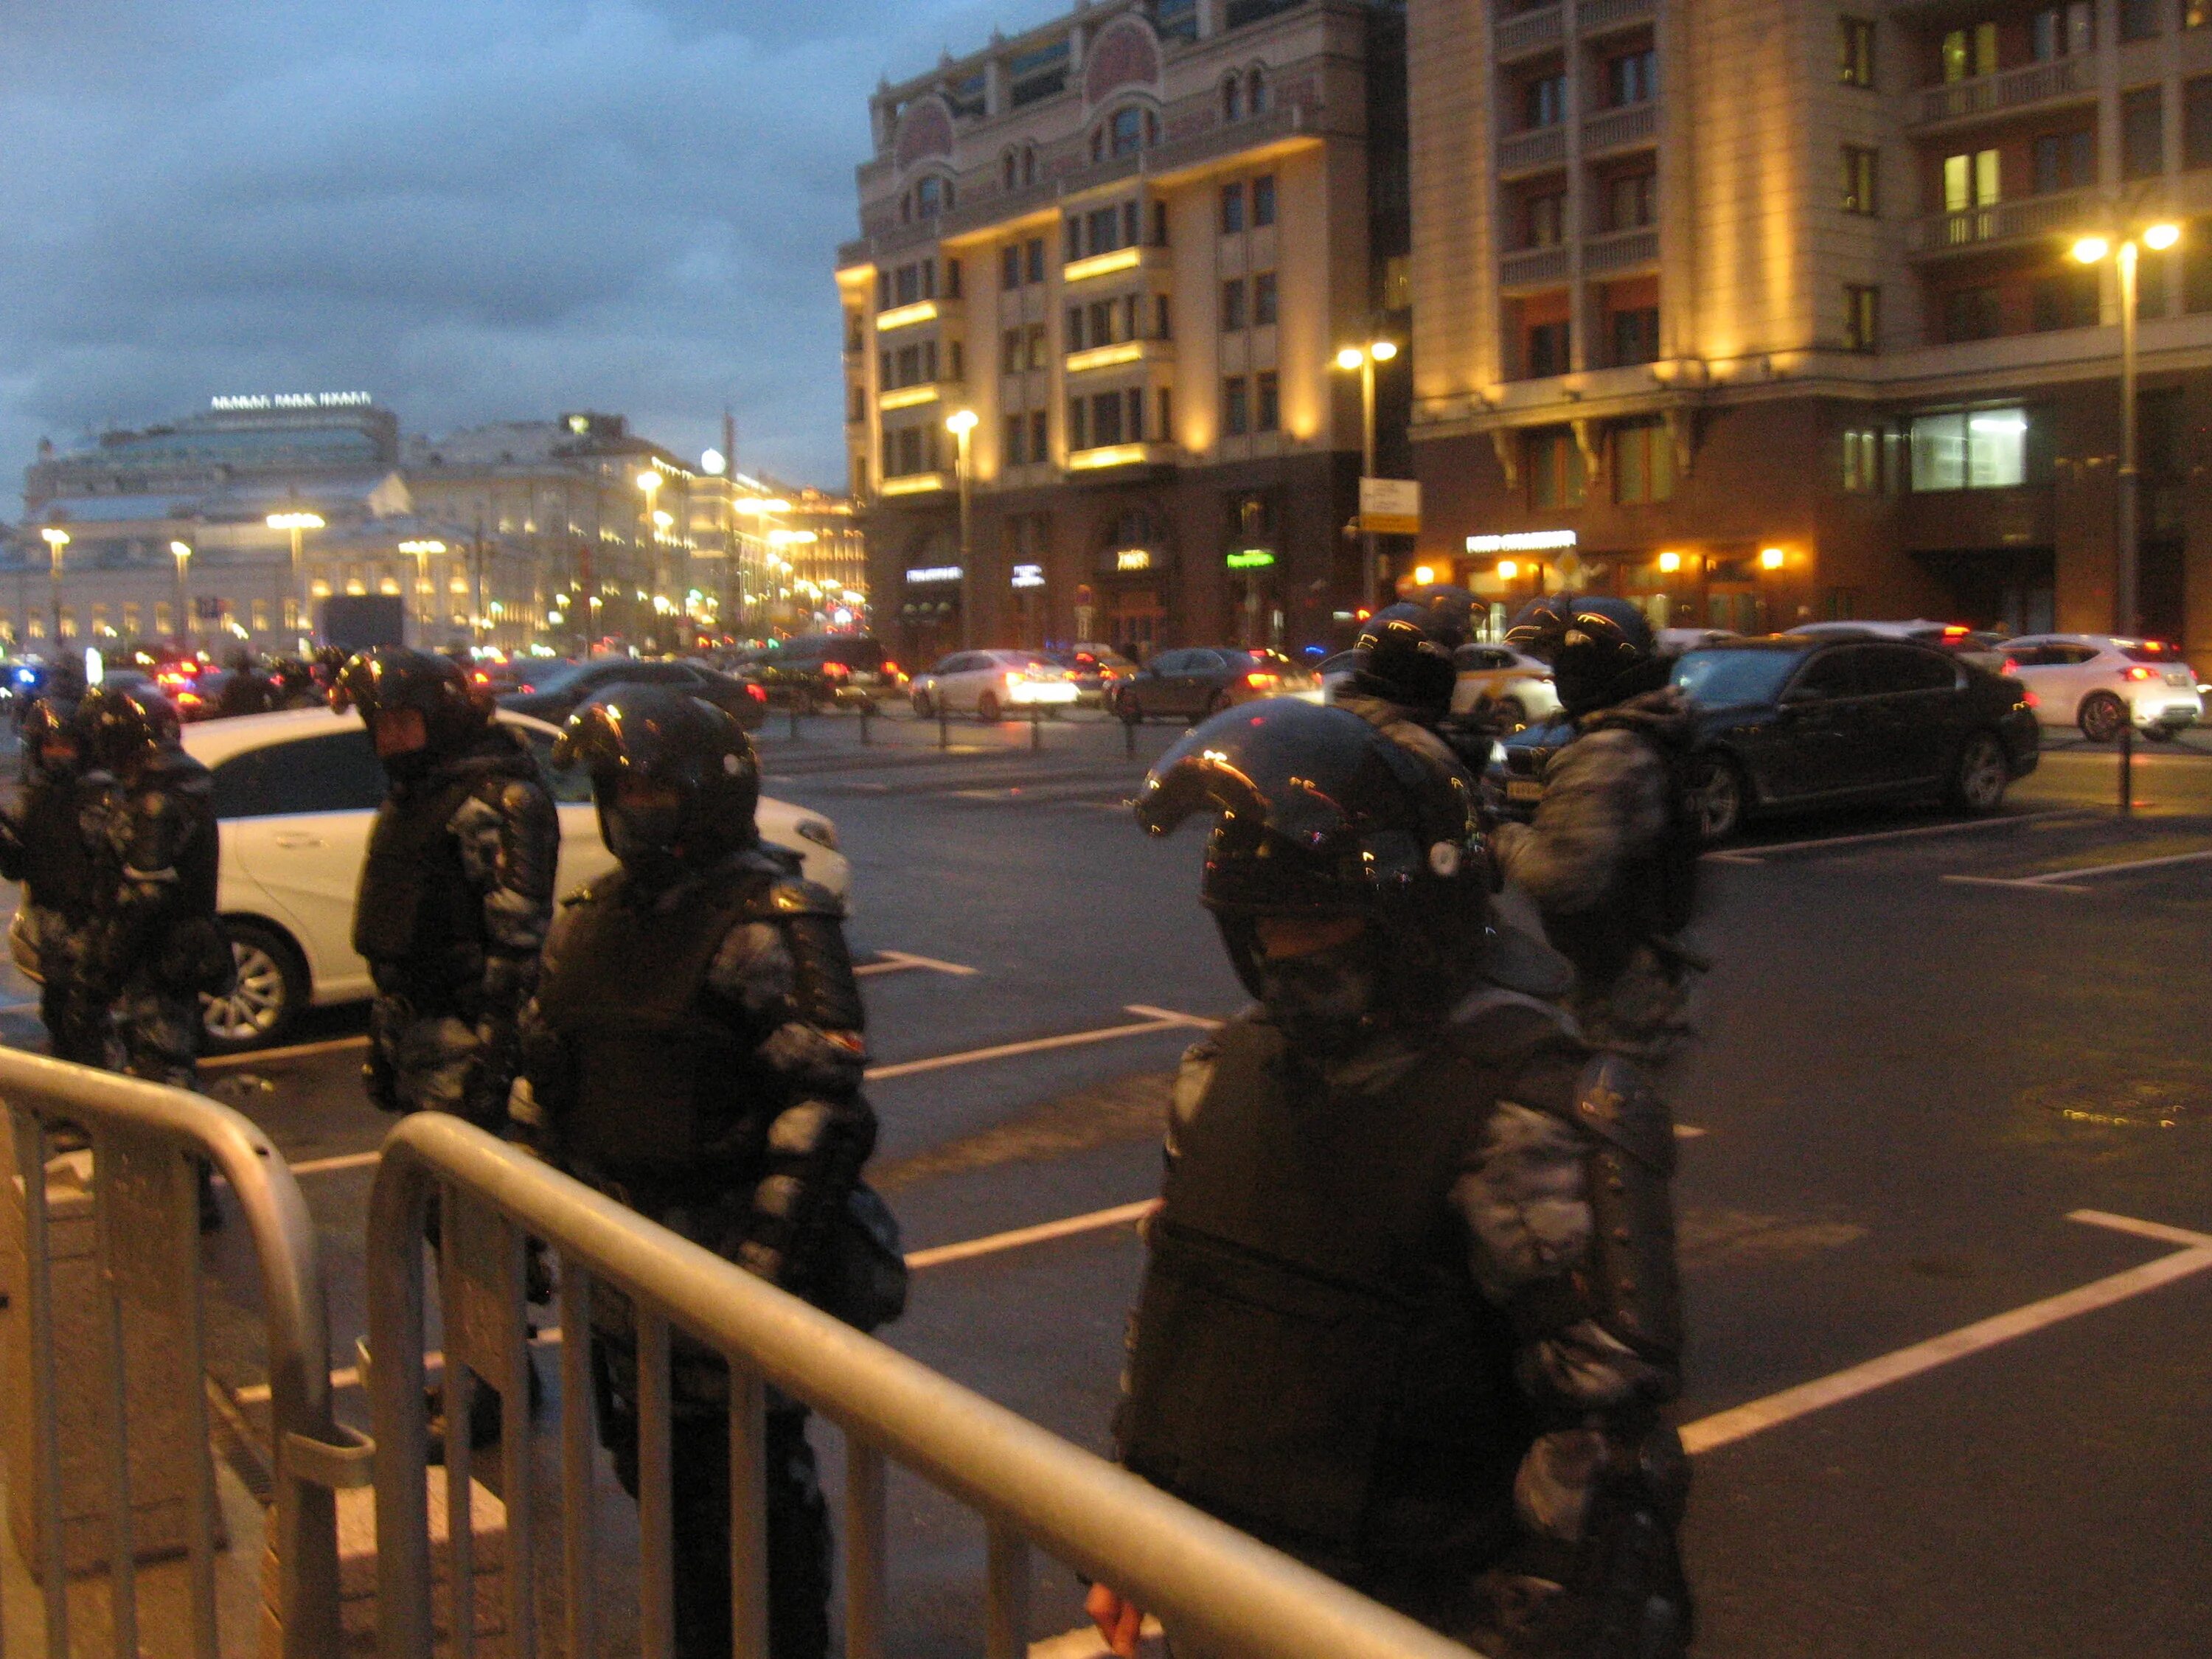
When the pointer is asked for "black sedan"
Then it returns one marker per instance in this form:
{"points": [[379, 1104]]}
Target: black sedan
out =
{"points": [[554, 694], [1790, 722], [1193, 682]]}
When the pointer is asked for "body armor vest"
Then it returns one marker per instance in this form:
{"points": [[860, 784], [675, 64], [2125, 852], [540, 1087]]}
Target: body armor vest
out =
{"points": [[1313, 1360], [416, 906], [1649, 897], [654, 1070], [58, 866]]}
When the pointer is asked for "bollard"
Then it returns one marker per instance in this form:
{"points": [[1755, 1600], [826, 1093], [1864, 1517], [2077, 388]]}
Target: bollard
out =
{"points": [[794, 718], [867, 712], [1128, 740], [1037, 727], [943, 726], [2127, 768]]}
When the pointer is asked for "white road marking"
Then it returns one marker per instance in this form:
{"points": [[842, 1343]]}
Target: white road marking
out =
{"points": [[315, 1166], [256, 1056], [1759, 855], [1687, 1132], [993, 1243], [892, 962], [1160, 1019], [1742, 1421], [1198, 1021], [2068, 881]]}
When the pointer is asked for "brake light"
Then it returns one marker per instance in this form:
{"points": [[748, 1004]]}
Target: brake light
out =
{"points": [[526, 686], [1263, 682], [1012, 678], [2140, 674], [481, 677], [890, 667], [757, 693], [1955, 631], [2010, 667]]}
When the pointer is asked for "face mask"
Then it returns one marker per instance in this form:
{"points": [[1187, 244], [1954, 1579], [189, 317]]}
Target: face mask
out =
{"points": [[1319, 999], [644, 837]]}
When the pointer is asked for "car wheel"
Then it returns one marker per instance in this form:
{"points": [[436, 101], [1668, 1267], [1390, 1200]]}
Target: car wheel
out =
{"points": [[272, 993], [1718, 798], [2159, 733], [2101, 716], [1978, 776], [986, 708], [1127, 709], [922, 710], [1510, 713]]}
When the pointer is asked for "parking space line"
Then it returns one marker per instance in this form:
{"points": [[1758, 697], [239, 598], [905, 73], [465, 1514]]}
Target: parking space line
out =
{"points": [[1760, 855], [2068, 881], [1742, 1421], [993, 1243], [893, 962], [296, 1051], [1159, 1019], [315, 1166]]}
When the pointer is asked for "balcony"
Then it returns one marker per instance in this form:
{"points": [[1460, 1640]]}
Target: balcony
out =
{"points": [[2030, 218], [921, 311], [1117, 261], [2062, 78], [911, 397], [916, 483], [1535, 267], [1529, 32], [1524, 152], [1620, 129], [1598, 16], [1119, 354], [1106, 457], [1620, 250]]}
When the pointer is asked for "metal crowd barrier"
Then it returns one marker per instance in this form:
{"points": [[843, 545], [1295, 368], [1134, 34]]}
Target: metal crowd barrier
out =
{"points": [[1215, 1589], [147, 1141]]}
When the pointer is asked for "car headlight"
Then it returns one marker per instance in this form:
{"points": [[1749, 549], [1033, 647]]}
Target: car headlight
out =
{"points": [[820, 831]]}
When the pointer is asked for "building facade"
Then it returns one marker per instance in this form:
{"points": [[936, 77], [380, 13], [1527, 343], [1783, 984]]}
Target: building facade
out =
{"points": [[1129, 244], [1756, 311]]}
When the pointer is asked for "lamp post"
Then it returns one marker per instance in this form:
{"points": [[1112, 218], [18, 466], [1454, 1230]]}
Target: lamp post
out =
{"points": [[1363, 359], [184, 553], [961, 423], [421, 552], [298, 524], [2089, 250], [56, 539]]}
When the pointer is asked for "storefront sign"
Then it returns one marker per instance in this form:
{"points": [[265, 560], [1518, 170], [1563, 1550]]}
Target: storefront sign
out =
{"points": [[291, 400], [1521, 541], [932, 573], [1133, 558], [1028, 576], [1390, 507], [1250, 558]]}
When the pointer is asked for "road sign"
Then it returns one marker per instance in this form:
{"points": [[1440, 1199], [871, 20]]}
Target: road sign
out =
{"points": [[1390, 507]]}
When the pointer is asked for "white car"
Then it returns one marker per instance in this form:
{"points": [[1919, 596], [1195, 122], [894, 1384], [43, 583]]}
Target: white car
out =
{"points": [[295, 793], [2100, 684], [1497, 680], [987, 683]]}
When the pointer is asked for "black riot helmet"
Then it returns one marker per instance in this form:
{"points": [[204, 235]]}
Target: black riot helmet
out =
{"points": [[660, 734], [1405, 653], [1318, 814], [123, 725], [388, 681], [1600, 650], [49, 719]]}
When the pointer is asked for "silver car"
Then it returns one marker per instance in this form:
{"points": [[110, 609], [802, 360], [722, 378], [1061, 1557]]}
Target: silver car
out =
{"points": [[2100, 683]]}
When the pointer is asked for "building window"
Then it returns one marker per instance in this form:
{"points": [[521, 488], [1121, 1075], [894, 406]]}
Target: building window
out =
{"points": [[1232, 303], [1075, 328], [1040, 437], [1970, 180], [959, 374], [1271, 402], [859, 409], [1548, 345], [2058, 31], [2065, 160], [1011, 356], [1985, 449], [1863, 461], [1398, 283], [1071, 239], [1010, 265], [1544, 103], [2197, 121], [1632, 78], [855, 333], [1033, 258], [1232, 208], [1970, 53], [1557, 474], [1134, 398], [1632, 201], [2139, 19], [1236, 406], [1078, 424], [1105, 419], [1263, 299], [259, 623], [932, 196], [1165, 398], [1263, 201], [1642, 462], [1163, 318], [1547, 220], [1040, 347], [1159, 224], [1011, 442], [1861, 317], [1102, 230], [1855, 38], [1635, 336], [2068, 298], [2142, 134], [1973, 313], [1255, 92], [1007, 166], [1232, 97], [1102, 322], [1862, 179]]}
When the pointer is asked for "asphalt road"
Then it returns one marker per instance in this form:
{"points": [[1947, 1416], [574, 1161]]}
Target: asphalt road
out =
{"points": [[1928, 1050]]}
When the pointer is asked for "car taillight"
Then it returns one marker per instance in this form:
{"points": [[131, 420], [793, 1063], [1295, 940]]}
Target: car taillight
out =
{"points": [[890, 667], [2141, 674], [2010, 667], [757, 693], [2031, 700], [1263, 682]]}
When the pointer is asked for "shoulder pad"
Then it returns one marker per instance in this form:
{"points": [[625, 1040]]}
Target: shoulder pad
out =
{"points": [[1614, 1102], [787, 897]]}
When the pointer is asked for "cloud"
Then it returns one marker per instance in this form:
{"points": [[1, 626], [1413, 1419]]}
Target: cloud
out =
{"points": [[477, 210]]}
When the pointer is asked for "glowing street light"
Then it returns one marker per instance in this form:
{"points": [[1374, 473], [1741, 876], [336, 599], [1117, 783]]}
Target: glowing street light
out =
{"points": [[1770, 558], [298, 524], [183, 550], [1363, 359], [56, 539], [961, 422], [2092, 250], [421, 551]]}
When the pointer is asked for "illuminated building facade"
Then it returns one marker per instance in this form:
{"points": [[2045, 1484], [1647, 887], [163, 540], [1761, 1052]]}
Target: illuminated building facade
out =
{"points": [[1771, 305], [1130, 242]]}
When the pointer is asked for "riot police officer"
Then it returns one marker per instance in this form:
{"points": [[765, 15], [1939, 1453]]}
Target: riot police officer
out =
{"points": [[1410, 1309], [44, 845], [246, 690], [1610, 858], [694, 1050], [457, 890], [157, 947]]}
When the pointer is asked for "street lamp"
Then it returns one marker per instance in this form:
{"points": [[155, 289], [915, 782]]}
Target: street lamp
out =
{"points": [[2089, 250], [56, 539], [960, 423], [184, 552], [297, 523], [421, 552], [1363, 359]]}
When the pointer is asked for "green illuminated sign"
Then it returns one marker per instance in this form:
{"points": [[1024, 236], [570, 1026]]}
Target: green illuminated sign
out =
{"points": [[1250, 558]]}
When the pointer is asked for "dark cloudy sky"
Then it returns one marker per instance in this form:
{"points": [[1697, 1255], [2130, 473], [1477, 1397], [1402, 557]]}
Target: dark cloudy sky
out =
{"points": [[476, 209]]}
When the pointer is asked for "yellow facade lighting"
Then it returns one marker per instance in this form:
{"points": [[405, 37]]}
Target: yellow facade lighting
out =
{"points": [[2161, 237], [906, 316], [913, 483], [2090, 249], [1508, 570], [1086, 460], [1425, 575], [296, 521], [420, 549], [1102, 264], [907, 396], [1105, 356], [1670, 562], [1770, 558]]}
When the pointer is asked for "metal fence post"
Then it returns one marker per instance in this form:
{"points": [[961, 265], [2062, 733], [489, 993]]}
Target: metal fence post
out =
{"points": [[867, 714], [1037, 727], [794, 718], [1128, 740], [943, 726], [2127, 768]]}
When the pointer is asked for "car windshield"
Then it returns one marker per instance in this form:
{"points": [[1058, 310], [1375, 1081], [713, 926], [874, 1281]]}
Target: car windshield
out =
{"points": [[1721, 679], [557, 677], [1276, 660], [1029, 659]]}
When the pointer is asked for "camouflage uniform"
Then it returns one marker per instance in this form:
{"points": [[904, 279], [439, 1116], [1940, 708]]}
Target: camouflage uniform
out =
{"points": [[46, 843]]}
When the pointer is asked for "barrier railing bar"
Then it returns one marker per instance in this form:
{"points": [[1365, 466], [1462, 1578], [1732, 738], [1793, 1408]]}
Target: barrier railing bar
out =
{"points": [[749, 1513], [1006, 1603], [656, 1577], [1229, 1592], [865, 1561], [521, 1558], [123, 1564], [403, 1529], [579, 1437], [459, 1398], [185, 1228], [30, 1165]]}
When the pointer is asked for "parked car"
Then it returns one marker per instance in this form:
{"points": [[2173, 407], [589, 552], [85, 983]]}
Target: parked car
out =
{"points": [[1098, 669], [987, 683], [1977, 645], [295, 793], [2100, 683], [554, 693], [1505, 686], [1194, 682], [1790, 721], [820, 671]]}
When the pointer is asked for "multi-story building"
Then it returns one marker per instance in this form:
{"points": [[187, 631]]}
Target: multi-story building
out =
{"points": [[1765, 309], [1128, 243]]}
